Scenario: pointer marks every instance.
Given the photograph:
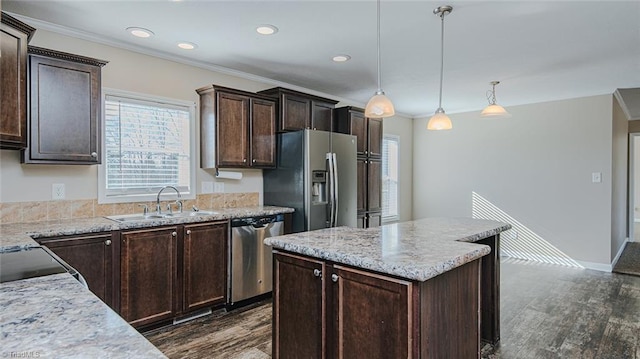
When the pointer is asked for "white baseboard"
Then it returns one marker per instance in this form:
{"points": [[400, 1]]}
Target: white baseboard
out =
{"points": [[597, 266], [615, 260]]}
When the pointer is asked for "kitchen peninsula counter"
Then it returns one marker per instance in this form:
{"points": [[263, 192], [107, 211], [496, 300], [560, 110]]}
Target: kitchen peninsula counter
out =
{"points": [[55, 316], [418, 284]]}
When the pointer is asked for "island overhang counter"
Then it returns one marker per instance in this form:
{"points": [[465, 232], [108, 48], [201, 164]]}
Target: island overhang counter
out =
{"points": [[419, 289]]}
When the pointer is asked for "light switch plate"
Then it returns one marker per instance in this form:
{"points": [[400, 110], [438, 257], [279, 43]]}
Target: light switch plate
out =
{"points": [[596, 177], [207, 187], [57, 191]]}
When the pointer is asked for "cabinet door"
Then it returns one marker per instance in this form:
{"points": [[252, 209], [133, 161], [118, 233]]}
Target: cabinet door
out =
{"points": [[299, 317], [295, 113], [322, 116], [13, 88], [65, 112], [92, 256], [232, 112], [205, 265], [374, 219], [361, 196], [263, 133], [374, 131], [148, 265], [362, 220], [359, 129], [374, 182], [372, 315]]}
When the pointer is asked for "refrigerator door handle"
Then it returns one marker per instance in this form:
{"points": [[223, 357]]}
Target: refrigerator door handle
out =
{"points": [[331, 189], [335, 190]]}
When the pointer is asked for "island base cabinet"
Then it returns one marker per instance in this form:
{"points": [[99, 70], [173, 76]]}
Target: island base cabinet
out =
{"points": [[327, 310]]}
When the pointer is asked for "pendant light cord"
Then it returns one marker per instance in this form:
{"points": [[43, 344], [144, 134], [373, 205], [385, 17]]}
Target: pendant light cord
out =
{"points": [[379, 73], [441, 57]]}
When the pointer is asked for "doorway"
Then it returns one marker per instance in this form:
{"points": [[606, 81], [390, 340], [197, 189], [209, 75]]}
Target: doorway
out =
{"points": [[634, 187]]}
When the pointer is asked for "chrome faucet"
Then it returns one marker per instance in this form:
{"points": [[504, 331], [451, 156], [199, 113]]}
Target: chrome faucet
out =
{"points": [[178, 201]]}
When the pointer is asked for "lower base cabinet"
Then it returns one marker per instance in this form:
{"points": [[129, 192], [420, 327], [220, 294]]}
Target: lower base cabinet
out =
{"points": [[327, 310], [166, 272], [91, 255]]}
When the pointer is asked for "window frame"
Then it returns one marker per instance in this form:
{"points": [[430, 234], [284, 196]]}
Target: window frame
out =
{"points": [[396, 217], [103, 198]]}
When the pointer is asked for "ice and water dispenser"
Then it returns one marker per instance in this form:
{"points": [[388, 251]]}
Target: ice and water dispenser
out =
{"points": [[319, 187]]}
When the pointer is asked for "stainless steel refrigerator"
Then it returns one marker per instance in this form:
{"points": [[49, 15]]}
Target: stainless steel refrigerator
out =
{"points": [[316, 174]]}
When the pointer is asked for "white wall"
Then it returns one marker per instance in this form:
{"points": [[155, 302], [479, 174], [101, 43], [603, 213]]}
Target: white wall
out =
{"points": [[403, 128], [136, 72], [536, 167]]}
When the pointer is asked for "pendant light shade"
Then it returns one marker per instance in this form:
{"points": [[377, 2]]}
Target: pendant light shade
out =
{"points": [[440, 121], [379, 105], [494, 110]]}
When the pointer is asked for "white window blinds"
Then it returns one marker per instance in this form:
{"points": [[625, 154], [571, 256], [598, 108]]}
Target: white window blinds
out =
{"points": [[146, 145], [390, 146]]}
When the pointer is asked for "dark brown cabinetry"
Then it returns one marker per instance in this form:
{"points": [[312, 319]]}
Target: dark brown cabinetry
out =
{"points": [[205, 263], [92, 256], [237, 129], [64, 123], [166, 272], [339, 312], [328, 310], [298, 111], [351, 120], [148, 273], [14, 36]]}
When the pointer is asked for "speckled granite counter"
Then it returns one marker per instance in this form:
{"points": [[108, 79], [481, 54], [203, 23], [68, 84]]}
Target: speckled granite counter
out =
{"points": [[416, 250], [56, 317], [20, 235]]}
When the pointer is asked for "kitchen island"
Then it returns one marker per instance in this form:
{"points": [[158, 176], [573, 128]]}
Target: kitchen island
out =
{"points": [[418, 289]]}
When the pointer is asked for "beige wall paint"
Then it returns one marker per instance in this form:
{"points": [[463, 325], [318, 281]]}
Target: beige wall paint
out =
{"points": [[136, 72], [619, 163], [536, 167], [403, 128]]}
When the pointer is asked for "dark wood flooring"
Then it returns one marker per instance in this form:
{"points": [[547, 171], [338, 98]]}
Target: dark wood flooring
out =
{"points": [[548, 311]]}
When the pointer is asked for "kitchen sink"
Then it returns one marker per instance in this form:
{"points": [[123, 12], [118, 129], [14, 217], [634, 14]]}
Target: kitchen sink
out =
{"points": [[154, 216]]}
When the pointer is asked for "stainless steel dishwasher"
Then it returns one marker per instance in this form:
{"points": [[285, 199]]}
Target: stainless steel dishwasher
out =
{"points": [[251, 260]]}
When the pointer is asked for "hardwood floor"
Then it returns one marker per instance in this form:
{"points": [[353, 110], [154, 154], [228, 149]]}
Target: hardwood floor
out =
{"points": [[548, 311]]}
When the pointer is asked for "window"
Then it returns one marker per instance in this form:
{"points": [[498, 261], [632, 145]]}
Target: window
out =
{"points": [[148, 143], [390, 145]]}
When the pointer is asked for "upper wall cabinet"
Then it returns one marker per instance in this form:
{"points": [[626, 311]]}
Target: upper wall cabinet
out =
{"points": [[298, 110], [14, 36], [64, 120], [238, 129]]}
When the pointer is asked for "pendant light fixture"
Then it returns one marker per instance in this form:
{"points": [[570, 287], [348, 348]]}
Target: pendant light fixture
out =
{"points": [[379, 105], [440, 121], [494, 110]]}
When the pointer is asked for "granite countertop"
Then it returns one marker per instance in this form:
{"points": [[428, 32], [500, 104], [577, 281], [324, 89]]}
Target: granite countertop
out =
{"points": [[56, 317], [17, 236], [416, 250]]}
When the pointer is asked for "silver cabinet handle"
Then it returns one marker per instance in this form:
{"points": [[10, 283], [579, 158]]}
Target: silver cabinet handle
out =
{"points": [[107, 242], [94, 154], [188, 231], [254, 161], [334, 278], [317, 272], [244, 160], [366, 162], [174, 234], [366, 152]]}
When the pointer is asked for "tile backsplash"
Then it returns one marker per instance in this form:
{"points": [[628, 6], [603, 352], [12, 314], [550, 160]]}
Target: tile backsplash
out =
{"points": [[16, 212]]}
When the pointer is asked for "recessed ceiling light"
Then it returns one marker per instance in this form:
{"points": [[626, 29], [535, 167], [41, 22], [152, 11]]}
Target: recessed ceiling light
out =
{"points": [[266, 29], [187, 45], [341, 58], [139, 32]]}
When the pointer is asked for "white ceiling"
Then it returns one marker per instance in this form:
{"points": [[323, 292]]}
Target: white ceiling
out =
{"points": [[539, 50]]}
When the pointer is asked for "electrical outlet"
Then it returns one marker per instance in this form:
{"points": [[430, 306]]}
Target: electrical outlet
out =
{"points": [[57, 191], [596, 177], [207, 187], [218, 187]]}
